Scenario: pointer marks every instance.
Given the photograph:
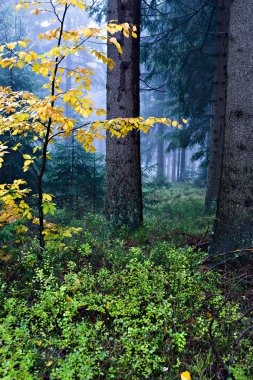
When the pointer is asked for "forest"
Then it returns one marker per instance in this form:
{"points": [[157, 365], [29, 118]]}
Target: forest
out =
{"points": [[126, 189]]}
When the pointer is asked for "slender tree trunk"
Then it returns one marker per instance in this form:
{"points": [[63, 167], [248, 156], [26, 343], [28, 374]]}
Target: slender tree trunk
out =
{"points": [[174, 166], [149, 157], [160, 153], [219, 104], [123, 199], [46, 143], [234, 220], [68, 109], [178, 164], [168, 166], [182, 164]]}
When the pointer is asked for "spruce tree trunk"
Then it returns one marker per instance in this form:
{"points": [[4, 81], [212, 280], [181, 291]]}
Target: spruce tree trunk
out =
{"points": [[174, 166], [234, 220], [168, 166], [160, 153], [178, 163], [182, 164], [219, 105], [123, 199]]}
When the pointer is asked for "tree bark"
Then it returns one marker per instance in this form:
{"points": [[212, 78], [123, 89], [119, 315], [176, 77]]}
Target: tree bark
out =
{"points": [[178, 163], [182, 164], [234, 220], [219, 105], [174, 166], [123, 199], [160, 153]]}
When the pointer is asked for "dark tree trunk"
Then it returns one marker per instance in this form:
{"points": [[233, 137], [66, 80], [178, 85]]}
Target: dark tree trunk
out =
{"points": [[123, 199], [174, 166], [234, 220], [219, 105], [160, 152], [68, 109], [178, 163], [182, 164]]}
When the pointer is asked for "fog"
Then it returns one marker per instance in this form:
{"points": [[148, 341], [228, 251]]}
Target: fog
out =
{"points": [[157, 147]]}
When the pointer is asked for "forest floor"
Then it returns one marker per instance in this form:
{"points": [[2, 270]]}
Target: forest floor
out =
{"points": [[114, 304]]}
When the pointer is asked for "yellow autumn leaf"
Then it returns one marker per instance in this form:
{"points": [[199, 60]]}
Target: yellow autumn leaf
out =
{"points": [[185, 121], [174, 123], [126, 33], [27, 157], [114, 41], [18, 7], [36, 67], [36, 11], [110, 64], [80, 6], [47, 197], [12, 45], [49, 363], [22, 43], [5, 63], [185, 375], [16, 146], [101, 112]]}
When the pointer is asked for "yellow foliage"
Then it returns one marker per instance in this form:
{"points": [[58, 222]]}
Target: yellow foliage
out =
{"points": [[23, 114], [114, 41], [13, 205]]}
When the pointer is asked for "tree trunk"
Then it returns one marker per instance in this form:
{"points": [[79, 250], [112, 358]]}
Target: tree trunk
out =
{"points": [[68, 109], [219, 105], [160, 153], [178, 164], [234, 220], [174, 166], [123, 199], [182, 164], [168, 166]]}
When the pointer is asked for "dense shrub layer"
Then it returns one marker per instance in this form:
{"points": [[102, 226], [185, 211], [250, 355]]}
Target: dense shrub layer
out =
{"points": [[136, 315]]}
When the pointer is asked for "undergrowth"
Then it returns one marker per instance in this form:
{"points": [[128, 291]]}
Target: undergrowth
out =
{"points": [[117, 305]]}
